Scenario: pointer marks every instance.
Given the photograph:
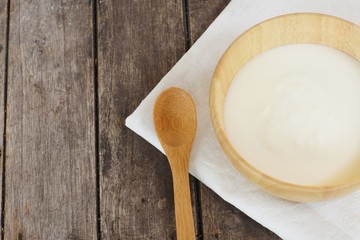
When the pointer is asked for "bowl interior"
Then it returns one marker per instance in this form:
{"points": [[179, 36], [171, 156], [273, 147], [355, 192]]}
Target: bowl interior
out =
{"points": [[288, 29]]}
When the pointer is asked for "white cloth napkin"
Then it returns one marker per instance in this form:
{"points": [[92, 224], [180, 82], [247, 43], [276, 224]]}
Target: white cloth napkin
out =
{"points": [[335, 219]]}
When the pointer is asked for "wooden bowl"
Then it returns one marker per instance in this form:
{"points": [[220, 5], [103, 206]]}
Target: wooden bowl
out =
{"points": [[287, 29]]}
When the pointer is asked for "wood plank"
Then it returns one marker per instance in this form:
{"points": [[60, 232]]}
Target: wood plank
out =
{"points": [[223, 221], [220, 219], [139, 41], [3, 27], [201, 14], [50, 165]]}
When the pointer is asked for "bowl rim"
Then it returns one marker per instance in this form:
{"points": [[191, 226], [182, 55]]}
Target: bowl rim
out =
{"points": [[308, 193]]}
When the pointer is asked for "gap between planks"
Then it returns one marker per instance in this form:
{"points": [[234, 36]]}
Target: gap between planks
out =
{"points": [[195, 183], [3, 153], [96, 116]]}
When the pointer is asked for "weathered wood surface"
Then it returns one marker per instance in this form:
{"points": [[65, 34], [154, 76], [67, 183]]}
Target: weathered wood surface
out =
{"points": [[220, 219], [201, 14], [139, 41], [3, 27], [51, 122], [50, 164], [223, 221]]}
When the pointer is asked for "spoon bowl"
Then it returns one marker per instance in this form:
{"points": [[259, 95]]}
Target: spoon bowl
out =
{"points": [[175, 117]]}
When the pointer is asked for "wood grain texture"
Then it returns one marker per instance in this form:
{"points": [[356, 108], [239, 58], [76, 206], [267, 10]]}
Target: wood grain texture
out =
{"points": [[288, 29], [220, 219], [201, 14], [224, 221], [139, 41], [3, 27], [50, 165]]}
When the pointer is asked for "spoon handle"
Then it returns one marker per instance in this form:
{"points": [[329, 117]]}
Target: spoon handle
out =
{"points": [[183, 210]]}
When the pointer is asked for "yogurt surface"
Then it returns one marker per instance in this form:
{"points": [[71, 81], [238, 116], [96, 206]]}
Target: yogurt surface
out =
{"points": [[293, 112]]}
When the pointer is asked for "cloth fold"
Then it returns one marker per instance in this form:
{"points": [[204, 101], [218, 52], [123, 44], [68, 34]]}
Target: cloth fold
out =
{"points": [[334, 219]]}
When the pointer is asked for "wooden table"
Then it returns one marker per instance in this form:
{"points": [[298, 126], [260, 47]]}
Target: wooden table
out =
{"points": [[71, 72]]}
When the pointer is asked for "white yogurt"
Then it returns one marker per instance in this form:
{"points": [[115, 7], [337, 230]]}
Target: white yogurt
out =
{"points": [[293, 112]]}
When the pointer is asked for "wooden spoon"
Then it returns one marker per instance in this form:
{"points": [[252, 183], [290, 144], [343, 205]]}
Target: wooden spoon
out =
{"points": [[175, 124]]}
